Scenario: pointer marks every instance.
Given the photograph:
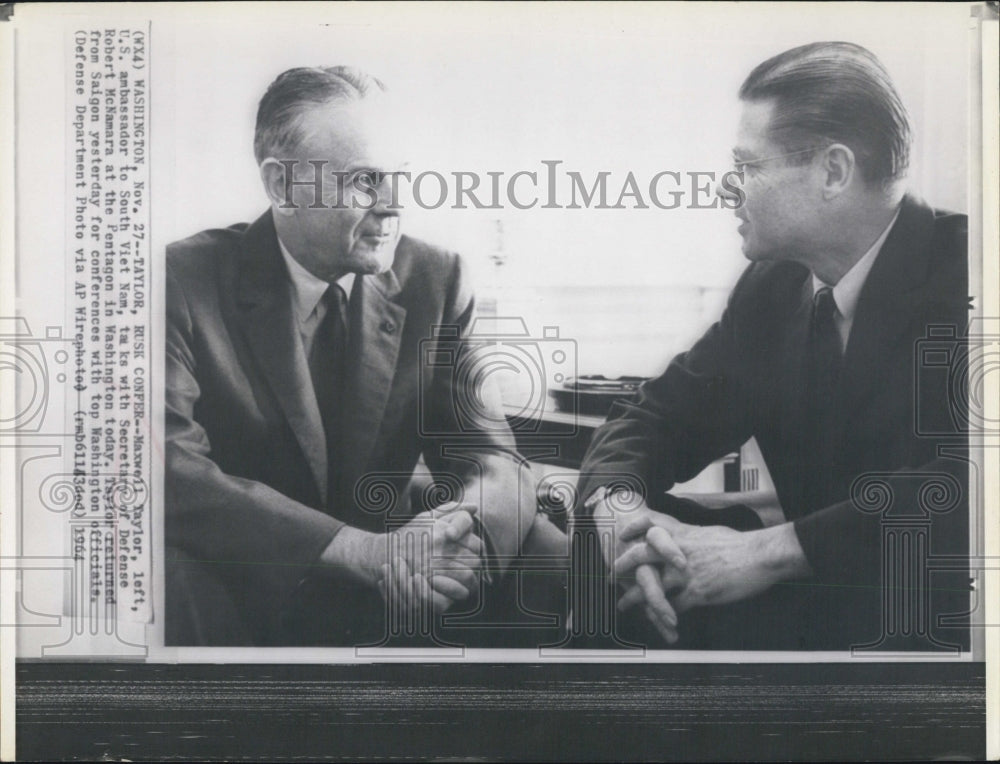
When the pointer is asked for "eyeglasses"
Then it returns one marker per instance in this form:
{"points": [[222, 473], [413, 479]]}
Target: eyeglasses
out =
{"points": [[738, 165]]}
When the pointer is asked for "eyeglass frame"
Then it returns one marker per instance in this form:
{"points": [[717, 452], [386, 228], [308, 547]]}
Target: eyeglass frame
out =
{"points": [[739, 165]]}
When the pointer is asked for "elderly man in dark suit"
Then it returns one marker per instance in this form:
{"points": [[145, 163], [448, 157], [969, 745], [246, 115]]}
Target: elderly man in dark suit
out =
{"points": [[299, 400], [816, 356]]}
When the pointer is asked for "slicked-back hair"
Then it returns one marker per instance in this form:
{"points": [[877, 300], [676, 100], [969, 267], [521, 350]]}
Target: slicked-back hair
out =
{"points": [[835, 92], [280, 111]]}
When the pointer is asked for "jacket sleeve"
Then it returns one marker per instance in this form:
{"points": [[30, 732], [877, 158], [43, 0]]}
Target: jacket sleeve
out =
{"points": [[245, 528], [851, 542], [697, 411], [472, 444]]}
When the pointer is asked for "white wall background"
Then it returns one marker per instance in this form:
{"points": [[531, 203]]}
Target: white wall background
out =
{"points": [[638, 87]]}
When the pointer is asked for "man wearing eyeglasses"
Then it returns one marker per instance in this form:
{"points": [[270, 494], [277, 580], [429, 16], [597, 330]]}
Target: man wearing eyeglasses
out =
{"points": [[300, 399], [815, 356]]}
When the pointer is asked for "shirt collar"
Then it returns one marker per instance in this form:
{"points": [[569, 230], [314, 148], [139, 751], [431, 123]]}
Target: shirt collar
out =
{"points": [[307, 289], [847, 292]]}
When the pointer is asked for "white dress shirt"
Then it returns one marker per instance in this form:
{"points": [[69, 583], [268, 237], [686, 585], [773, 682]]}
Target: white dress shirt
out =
{"points": [[307, 297], [848, 290]]}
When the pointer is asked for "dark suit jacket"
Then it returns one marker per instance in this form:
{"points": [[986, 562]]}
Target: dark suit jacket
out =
{"points": [[246, 486], [745, 377]]}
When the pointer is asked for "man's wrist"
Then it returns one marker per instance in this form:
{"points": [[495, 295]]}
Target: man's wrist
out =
{"points": [[779, 553], [355, 554]]}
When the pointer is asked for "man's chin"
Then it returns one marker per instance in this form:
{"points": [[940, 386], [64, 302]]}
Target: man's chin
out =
{"points": [[380, 264], [755, 253], [375, 260], [749, 252]]}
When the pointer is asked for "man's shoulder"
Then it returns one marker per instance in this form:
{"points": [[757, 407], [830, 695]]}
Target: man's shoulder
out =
{"points": [[412, 252], [947, 220], [920, 226], [418, 260], [951, 234], [774, 285], [947, 273], [929, 251], [197, 252], [772, 275]]}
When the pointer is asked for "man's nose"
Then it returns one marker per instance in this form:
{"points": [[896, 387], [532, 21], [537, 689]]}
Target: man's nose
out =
{"points": [[387, 193], [726, 192]]}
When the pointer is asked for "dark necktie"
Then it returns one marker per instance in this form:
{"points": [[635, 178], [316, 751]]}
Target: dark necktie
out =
{"points": [[824, 339], [823, 417], [326, 366]]}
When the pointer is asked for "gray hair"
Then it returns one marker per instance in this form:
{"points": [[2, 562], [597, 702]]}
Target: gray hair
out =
{"points": [[279, 114]]}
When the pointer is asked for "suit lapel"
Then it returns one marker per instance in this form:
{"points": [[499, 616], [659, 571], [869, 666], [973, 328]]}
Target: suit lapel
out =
{"points": [[892, 291], [268, 322], [376, 332]]}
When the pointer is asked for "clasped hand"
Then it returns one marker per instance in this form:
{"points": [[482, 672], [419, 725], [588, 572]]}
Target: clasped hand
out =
{"points": [[433, 561], [669, 567]]}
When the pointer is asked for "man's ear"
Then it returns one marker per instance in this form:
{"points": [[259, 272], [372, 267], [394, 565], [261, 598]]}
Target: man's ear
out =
{"points": [[838, 166], [272, 173]]}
